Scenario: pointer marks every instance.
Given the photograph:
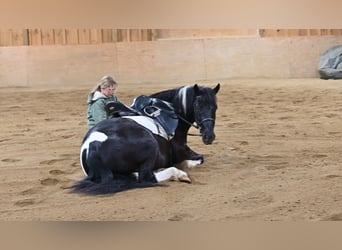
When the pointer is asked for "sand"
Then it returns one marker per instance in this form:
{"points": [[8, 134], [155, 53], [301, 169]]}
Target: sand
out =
{"points": [[277, 156]]}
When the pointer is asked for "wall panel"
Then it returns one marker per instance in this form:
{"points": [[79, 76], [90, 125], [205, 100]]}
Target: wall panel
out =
{"points": [[165, 61], [60, 36]]}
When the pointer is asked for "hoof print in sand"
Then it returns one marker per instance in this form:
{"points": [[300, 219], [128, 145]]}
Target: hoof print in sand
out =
{"points": [[49, 182]]}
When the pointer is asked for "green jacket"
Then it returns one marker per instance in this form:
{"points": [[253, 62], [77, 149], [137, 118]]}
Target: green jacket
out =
{"points": [[96, 108]]}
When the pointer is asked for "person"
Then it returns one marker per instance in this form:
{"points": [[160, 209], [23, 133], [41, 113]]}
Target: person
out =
{"points": [[102, 93]]}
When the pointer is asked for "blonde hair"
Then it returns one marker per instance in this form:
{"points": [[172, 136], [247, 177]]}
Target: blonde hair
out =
{"points": [[105, 82]]}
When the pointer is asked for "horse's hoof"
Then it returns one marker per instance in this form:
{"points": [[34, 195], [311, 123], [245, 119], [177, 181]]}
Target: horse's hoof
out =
{"points": [[192, 163], [198, 158], [182, 176], [184, 179]]}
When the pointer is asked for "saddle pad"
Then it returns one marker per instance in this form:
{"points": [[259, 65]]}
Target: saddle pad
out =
{"points": [[150, 124]]}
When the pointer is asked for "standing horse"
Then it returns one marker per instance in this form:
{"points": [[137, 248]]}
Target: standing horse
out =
{"points": [[117, 148]]}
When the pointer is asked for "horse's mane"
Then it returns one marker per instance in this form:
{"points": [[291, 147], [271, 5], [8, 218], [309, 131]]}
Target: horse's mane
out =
{"points": [[182, 97], [166, 95], [178, 97]]}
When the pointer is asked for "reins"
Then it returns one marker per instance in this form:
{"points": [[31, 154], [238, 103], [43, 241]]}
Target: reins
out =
{"points": [[197, 126], [189, 123]]}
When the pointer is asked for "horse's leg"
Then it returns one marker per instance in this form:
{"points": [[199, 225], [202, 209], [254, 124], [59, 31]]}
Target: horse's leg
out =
{"points": [[173, 174], [189, 164], [182, 151], [170, 174], [145, 173], [186, 157], [192, 155]]}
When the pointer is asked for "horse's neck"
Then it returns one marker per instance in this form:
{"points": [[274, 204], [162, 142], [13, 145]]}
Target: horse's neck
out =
{"points": [[186, 112], [181, 105], [182, 132]]}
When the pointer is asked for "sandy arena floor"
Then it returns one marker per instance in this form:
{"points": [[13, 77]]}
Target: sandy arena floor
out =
{"points": [[277, 156]]}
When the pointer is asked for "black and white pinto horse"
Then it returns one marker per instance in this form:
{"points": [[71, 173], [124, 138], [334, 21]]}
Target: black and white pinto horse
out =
{"points": [[120, 154]]}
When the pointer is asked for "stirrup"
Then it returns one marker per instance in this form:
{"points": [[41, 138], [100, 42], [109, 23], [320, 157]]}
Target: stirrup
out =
{"points": [[153, 114]]}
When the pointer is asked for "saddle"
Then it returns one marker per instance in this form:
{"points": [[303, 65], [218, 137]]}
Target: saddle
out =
{"points": [[160, 111]]}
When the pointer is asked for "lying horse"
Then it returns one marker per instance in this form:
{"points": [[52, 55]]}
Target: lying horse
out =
{"points": [[192, 104], [117, 148]]}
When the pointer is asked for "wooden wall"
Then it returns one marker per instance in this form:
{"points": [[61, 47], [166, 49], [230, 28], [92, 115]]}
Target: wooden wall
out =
{"points": [[164, 61], [299, 32], [19, 37], [37, 37]]}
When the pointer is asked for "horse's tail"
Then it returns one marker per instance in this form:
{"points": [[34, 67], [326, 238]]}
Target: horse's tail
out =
{"points": [[118, 184], [100, 180]]}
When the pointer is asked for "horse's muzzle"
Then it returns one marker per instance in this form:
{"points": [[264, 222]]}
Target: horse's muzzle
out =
{"points": [[208, 138]]}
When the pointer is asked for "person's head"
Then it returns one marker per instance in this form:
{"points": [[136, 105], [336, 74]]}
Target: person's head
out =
{"points": [[107, 86]]}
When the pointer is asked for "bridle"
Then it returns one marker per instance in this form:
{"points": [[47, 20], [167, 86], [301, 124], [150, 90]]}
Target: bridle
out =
{"points": [[197, 125]]}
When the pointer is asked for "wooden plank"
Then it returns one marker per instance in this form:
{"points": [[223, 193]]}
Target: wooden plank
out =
{"points": [[71, 36], [84, 36], [230, 32], [106, 35], [26, 37], [336, 32], [35, 37], [282, 32], [325, 32], [95, 36], [204, 33], [262, 32], [299, 32], [18, 37], [60, 36], [115, 37], [253, 32], [121, 35], [303, 32], [5, 37], [146, 35], [48, 37], [293, 32], [268, 32], [126, 36], [155, 34], [315, 32], [135, 35]]}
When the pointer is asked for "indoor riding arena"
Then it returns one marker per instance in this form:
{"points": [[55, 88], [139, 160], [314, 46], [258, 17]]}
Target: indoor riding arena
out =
{"points": [[277, 153]]}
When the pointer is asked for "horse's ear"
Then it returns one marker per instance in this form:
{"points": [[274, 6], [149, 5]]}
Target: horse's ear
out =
{"points": [[217, 88], [196, 89]]}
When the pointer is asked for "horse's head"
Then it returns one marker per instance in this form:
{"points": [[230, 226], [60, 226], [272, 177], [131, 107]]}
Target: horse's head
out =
{"points": [[205, 107]]}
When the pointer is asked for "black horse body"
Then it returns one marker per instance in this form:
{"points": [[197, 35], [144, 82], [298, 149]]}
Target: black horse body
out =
{"points": [[118, 147]]}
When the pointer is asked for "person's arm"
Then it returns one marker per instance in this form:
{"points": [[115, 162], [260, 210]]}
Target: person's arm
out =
{"points": [[99, 112]]}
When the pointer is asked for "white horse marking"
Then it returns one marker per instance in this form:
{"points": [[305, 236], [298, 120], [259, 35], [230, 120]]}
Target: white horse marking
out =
{"points": [[170, 174], [182, 95], [191, 163], [95, 136]]}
